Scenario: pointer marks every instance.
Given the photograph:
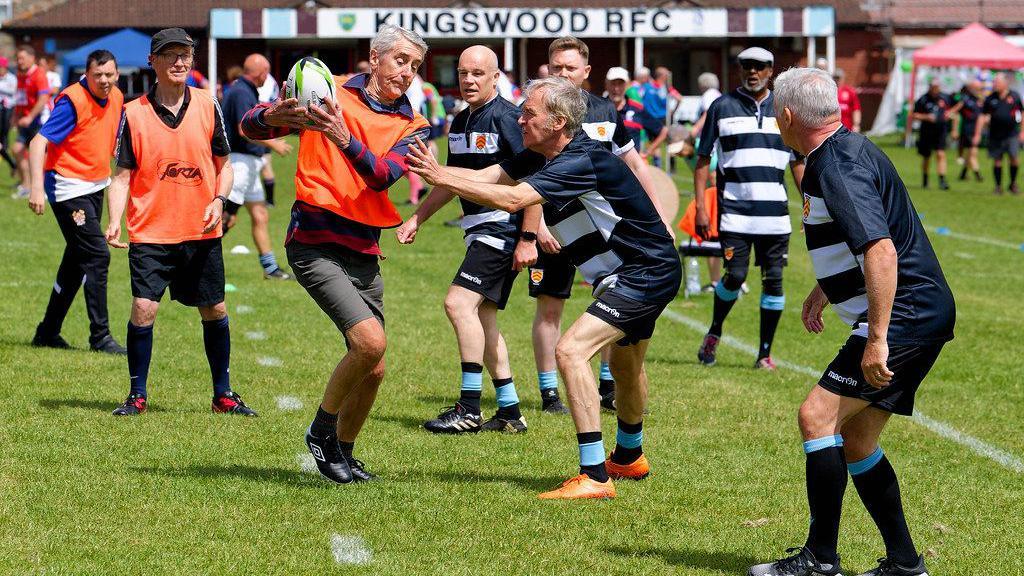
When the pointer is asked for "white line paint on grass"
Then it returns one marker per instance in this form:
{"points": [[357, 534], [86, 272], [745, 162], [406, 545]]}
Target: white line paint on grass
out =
{"points": [[257, 335], [243, 309], [306, 463], [269, 361], [943, 231], [350, 549], [944, 430], [964, 255], [288, 403]]}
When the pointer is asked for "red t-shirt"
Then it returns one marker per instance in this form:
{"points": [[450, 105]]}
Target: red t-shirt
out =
{"points": [[31, 85], [848, 103]]}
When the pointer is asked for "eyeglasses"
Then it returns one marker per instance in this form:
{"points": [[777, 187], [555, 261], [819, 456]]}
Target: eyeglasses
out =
{"points": [[173, 57], [753, 64]]}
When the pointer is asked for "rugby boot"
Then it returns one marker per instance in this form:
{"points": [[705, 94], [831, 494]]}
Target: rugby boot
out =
{"points": [[635, 470], [802, 563], [580, 487], [551, 403], [506, 425], [134, 405], [359, 471], [454, 420], [706, 354], [765, 363], [887, 567], [329, 459], [231, 403]]}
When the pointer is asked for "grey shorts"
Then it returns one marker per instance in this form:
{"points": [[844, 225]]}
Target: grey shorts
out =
{"points": [[346, 285], [1009, 145]]}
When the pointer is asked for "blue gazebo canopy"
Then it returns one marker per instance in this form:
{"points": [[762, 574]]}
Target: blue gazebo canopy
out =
{"points": [[129, 46]]}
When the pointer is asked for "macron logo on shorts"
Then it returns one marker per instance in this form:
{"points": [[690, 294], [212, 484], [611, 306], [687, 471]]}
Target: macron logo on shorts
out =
{"points": [[845, 380], [607, 309], [472, 279]]}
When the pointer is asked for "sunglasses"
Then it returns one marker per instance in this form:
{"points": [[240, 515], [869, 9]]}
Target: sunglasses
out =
{"points": [[753, 64]]}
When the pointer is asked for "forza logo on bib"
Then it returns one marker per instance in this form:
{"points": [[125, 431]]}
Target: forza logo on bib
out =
{"points": [[180, 172]]}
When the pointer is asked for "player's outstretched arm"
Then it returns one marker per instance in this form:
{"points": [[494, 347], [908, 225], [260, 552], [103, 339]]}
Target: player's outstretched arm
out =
{"points": [[510, 198], [437, 198]]}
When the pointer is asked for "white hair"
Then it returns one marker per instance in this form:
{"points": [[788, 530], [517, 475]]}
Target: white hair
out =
{"points": [[561, 99], [707, 81], [643, 71], [809, 93], [390, 35]]}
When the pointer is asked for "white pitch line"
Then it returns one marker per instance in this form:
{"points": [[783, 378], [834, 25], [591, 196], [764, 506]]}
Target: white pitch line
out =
{"points": [[288, 403], [269, 361], [257, 335], [944, 430], [970, 238], [350, 549], [306, 463], [243, 309]]}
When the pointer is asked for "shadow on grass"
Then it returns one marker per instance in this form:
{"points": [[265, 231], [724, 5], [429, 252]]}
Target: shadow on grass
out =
{"points": [[414, 422], [526, 482], [724, 562], [285, 476], [98, 405]]}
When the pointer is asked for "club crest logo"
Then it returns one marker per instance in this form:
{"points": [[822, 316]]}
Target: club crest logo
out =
{"points": [[480, 142], [347, 21], [728, 252], [807, 206], [536, 276], [602, 131], [79, 217], [180, 172]]}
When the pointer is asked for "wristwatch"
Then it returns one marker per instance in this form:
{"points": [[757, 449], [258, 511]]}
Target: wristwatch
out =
{"points": [[528, 236], [223, 200]]}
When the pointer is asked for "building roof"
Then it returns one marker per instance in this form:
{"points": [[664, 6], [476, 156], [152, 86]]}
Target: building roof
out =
{"points": [[194, 14], [951, 13]]}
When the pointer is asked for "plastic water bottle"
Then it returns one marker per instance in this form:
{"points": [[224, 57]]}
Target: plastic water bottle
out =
{"points": [[692, 276]]}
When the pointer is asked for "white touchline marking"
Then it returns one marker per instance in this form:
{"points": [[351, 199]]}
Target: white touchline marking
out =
{"points": [[306, 463], [243, 309], [288, 403], [964, 255], [256, 335], [942, 429], [350, 549], [944, 231], [269, 361]]}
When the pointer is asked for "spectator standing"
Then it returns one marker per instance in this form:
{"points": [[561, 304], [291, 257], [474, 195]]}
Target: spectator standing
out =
{"points": [[8, 92], [1002, 113], [932, 109], [849, 103]]}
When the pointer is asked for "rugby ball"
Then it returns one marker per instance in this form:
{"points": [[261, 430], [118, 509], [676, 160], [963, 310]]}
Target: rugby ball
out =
{"points": [[667, 192], [310, 81]]}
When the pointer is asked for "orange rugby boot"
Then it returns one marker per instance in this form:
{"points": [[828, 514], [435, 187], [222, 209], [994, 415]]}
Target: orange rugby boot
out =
{"points": [[581, 486], [636, 470]]}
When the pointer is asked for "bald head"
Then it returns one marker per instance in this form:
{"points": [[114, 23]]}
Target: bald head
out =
{"points": [[478, 75], [256, 68]]}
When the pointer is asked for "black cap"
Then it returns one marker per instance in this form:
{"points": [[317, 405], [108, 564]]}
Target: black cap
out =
{"points": [[169, 36]]}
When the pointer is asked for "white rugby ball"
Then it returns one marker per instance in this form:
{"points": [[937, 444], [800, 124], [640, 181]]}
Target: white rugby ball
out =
{"points": [[310, 81]]}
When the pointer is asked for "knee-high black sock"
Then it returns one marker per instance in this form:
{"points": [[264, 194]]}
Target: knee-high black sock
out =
{"points": [[1013, 174], [217, 338], [771, 312], [880, 492], [724, 300], [140, 351], [826, 484], [997, 174]]}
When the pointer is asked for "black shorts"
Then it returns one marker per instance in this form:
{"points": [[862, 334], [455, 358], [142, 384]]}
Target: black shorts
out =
{"points": [[488, 272], [552, 275], [771, 250], [26, 134], [997, 147], [928, 142], [635, 318], [909, 365], [194, 271], [231, 208], [966, 136]]}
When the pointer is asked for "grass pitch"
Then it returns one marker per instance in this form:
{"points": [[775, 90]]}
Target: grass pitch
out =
{"points": [[183, 491]]}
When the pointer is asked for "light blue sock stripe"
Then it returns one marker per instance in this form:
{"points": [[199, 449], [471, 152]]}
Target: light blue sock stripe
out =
{"points": [[862, 466], [822, 443], [627, 440], [547, 380], [606, 372], [506, 395], [773, 302], [592, 453], [725, 294], [472, 381]]}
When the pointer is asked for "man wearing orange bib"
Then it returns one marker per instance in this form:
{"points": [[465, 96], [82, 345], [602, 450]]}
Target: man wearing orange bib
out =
{"points": [[173, 173], [350, 152], [69, 160]]}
